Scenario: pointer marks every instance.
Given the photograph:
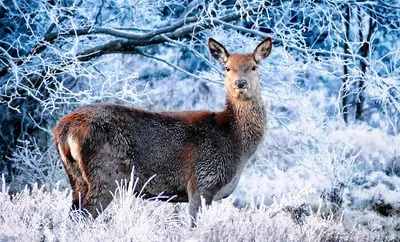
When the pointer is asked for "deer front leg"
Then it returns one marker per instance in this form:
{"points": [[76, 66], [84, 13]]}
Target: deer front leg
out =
{"points": [[195, 203]]}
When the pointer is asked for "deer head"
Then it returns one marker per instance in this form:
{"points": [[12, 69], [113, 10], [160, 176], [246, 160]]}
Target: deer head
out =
{"points": [[241, 78]]}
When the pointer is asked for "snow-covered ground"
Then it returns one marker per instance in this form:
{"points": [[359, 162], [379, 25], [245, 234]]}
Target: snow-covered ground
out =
{"points": [[42, 215]]}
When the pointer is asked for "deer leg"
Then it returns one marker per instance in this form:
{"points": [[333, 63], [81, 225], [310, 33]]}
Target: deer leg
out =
{"points": [[103, 183], [79, 188], [101, 196], [195, 203], [78, 184], [79, 191]]}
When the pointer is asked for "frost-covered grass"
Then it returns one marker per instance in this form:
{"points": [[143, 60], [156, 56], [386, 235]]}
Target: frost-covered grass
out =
{"points": [[41, 214]]}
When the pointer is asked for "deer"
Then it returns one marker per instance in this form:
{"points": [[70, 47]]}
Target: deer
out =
{"points": [[189, 155]]}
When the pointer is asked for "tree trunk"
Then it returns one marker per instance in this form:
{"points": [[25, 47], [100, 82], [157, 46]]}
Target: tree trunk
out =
{"points": [[345, 67], [364, 53]]}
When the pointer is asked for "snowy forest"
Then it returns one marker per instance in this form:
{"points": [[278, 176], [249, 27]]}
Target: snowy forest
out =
{"points": [[328, 168]]}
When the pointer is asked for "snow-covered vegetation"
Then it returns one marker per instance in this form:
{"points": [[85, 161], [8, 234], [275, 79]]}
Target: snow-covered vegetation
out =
{"points": [[331, 85], [38, 214]]}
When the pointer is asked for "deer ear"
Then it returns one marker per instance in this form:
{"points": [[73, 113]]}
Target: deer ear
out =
{"points": [[218, 51], [263, 50]]}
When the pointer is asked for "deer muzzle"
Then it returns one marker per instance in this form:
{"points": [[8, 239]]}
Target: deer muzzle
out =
{"points": [[241, 87]]}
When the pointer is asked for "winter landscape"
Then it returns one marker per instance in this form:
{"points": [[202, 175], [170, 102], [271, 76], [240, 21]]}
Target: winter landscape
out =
{"points": [[328, 168]]}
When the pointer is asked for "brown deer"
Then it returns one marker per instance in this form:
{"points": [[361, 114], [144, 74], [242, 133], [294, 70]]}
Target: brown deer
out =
{"points": [[192, 154]]}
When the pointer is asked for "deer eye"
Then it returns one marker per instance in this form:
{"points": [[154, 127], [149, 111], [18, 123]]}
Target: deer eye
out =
{"points": [[227, 69], [254, 68]]}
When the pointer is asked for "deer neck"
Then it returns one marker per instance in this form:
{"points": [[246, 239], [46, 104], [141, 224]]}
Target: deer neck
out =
{"points": [[248, 122]]}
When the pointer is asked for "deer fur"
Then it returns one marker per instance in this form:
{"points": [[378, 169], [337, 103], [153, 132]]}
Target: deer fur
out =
{"points": [[192, 154]]}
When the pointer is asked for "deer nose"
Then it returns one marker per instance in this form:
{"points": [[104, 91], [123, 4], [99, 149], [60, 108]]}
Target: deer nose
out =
{"points": [[241, 84]]}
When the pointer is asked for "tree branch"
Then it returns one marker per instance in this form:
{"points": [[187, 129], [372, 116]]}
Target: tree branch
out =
{"points": [[140, 52], [311, 51], [174, 32], [48, 38]]}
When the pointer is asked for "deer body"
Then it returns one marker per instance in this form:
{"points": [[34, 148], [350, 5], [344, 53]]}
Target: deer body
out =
{"points": [[190, 154]]}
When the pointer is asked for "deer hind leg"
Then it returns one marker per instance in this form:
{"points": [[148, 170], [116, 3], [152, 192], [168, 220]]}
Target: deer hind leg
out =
{"points": [[79, 188], [78, 184], [105, 171]]}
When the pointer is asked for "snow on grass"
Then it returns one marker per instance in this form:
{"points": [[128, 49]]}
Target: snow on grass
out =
{"points": [[41, 214]]}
